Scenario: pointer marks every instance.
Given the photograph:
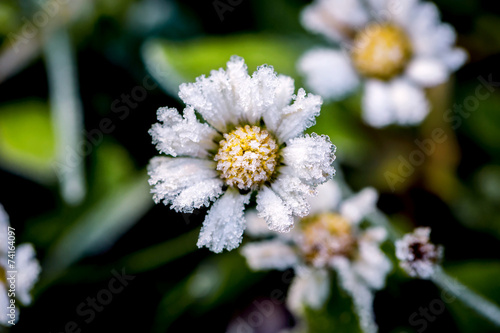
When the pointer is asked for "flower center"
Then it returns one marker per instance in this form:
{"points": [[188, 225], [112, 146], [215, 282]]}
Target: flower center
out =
{"points": [[247, 157], [325, 236], [381, 51]]}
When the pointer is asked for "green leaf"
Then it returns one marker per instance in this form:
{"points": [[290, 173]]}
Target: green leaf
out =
{"points": [[27, 144], [100, 226], [172, 63]]}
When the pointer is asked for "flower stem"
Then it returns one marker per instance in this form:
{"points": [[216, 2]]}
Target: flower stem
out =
{"points": [[474, 301]]}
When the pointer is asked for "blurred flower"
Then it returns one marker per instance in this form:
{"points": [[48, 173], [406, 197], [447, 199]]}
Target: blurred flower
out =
{"points": [[396, 48], [26, 265], [328, 239], [252, 140], [417, 255]]}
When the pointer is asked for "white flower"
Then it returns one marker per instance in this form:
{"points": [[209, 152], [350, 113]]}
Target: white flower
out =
{"points": [[27, 268], [251, 140], [396, 48], [328, 239], [417, 255]]}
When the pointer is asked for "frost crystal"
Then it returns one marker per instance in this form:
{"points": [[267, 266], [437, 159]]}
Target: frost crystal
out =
{"points": [[417, 255], [252, 140]]}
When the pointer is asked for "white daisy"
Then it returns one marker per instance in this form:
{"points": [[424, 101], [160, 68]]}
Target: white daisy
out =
{"points": [[417, 255], [27, 268], [329, 239], [396, 48], [251, 140]]}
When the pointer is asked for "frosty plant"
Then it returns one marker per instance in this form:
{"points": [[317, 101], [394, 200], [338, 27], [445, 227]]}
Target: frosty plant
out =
{"points": [[15, 290], [395, 48], [250, 140], [329, 239]]}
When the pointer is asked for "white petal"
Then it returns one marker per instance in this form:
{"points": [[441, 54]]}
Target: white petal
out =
{"points": [[294, 194], [271, 208], [4, 303], [372, 265], [377, 106], [328, 198], [187, 183], [328, 73], [216, 97], [454, 58], [334, 18], [309, 158], [273, 254], [310, 288], [397, 102], [283, 97], [256, 226], [409, 102], [182, 135], [298, 116], [28, 270], [358, 206], [225, 223], [427, 72], [362, 296]]}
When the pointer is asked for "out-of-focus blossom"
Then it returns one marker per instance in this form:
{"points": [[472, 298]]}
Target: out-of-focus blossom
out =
{"points": [[330, 239], [395, 48]]}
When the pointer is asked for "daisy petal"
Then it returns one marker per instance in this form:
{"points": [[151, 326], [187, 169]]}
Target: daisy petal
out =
{"points": [[216, 97], [29, 269], [310, 288], [409, 102], [224, 224], [4, 304], [427, 72], [310, 158], [273, 254], [294, 194], [328, 198], [256, 226], [173, 177], [298, 116], [328, 73], [358, 206], [182, 135], [271, 208]]}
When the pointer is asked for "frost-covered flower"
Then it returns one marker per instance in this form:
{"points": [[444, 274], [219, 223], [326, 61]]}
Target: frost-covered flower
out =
{"points": [[27, 268], [251, 140], [396, 48], [417, 255], [329, 239]]}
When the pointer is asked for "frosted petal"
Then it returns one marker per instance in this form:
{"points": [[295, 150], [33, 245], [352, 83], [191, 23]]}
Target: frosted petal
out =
{"points": [[173, 177], [358, 206], [294, 194], [224, 224], [310, 288], [182, 135], [310, 158], [28, 270], [298, 116], [272, 208]]}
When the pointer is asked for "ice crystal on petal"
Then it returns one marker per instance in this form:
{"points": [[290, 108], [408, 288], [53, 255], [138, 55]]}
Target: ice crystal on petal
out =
{"points": [[310, 158], [294, 194], [417, 255], [271, 254], [299, 116], [195, 181], [225, 223], [360, 205], [272, 208], [185, 136]]}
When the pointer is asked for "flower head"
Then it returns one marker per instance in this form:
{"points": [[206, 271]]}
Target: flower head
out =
{"points": [[396, 48], [27, 268], [250, 141], [417, 255], [329, 239]]}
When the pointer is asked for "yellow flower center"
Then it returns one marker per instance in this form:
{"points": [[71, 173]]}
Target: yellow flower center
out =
{"points": [[247, 157], [325, 236], [381, 51]]}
